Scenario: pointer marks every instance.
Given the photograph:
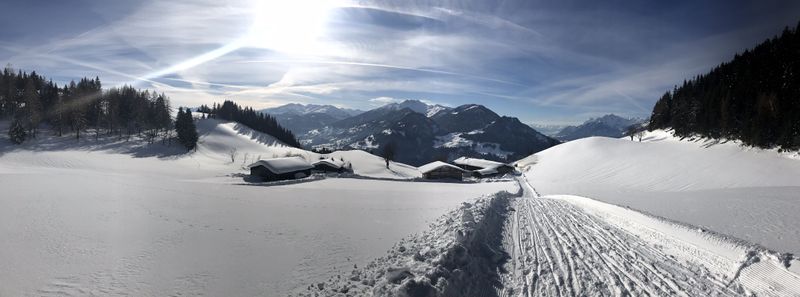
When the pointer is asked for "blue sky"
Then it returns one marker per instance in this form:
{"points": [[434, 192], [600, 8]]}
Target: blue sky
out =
{"points": [[550, 62]]}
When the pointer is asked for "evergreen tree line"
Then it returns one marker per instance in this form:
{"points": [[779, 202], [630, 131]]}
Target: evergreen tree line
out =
{"points": [[754, 98], [258, 121], [31, 100]]}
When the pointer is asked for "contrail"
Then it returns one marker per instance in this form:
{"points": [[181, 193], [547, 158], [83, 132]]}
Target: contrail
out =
{"points": [[381, 66]]}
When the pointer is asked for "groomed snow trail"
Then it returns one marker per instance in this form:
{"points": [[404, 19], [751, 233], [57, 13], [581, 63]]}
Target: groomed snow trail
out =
{"points": [[558, 249]]}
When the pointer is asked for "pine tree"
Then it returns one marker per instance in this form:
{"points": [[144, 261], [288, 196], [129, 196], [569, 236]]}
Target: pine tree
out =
{"points": [[186, 129], [17, 132], [191, 131], [33, 107], [753, 98]]}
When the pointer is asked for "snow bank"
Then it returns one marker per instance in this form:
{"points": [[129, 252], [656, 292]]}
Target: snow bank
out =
{"points": [[743, 192], [458, 256]]}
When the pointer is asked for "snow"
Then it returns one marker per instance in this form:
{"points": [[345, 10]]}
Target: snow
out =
{"points": [[452, 140], [115, 218], [471, 107], [283, 165], [742, 192], [453, 258], [571, 244], [330, 162], [434, 109], [562, 245], [455, 140], [475, 162], [435, 165]]}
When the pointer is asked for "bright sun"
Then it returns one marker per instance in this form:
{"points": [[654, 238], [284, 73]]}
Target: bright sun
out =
{"points": [[290, 26]]}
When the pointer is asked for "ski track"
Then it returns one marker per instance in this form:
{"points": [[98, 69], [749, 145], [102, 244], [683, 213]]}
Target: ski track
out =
{"points": [[557, 249]]}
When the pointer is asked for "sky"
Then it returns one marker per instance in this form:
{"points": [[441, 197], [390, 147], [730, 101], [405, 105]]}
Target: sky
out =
{"points": [[545, 62]]}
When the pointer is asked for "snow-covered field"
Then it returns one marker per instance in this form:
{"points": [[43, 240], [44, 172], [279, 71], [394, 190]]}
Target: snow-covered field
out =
{"points": [[530, 245], [111, 219], [747, 193], [114, 218]]}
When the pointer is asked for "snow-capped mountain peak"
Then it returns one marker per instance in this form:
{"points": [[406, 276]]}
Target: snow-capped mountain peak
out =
{"points": [[609, 125], [304, 109], [417, 106]]}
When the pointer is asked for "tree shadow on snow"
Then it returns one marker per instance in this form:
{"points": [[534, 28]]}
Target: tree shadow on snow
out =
{"points": [[134, 146]]}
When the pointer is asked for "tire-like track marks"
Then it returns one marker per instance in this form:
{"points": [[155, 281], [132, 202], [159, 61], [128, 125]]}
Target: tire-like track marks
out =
{"points": [[557, 249]]}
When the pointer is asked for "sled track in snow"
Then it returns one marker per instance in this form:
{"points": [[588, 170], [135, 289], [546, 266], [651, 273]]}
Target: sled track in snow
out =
{"points": [[558, 249]]}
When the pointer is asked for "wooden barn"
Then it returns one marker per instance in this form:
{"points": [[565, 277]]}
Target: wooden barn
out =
{"points": [[441, 170], [281, 168], [483, 168], [328, 165]]}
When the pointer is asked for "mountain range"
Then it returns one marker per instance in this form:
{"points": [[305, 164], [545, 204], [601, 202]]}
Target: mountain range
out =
{"points": [[420, 132], [609, 125], [300, 118]]}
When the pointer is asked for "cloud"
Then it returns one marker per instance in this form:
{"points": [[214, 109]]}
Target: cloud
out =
{"points": [[380, 101]]}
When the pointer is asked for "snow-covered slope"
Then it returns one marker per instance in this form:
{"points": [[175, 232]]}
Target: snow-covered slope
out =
{"points": [[116, 218], [746, 193], [217, 139]]}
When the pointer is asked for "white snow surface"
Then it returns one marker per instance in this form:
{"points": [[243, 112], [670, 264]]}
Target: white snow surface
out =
{"points": [[747, 193], [111, 218], [482, 163], [436, 164], [335, 163], [561, 245], [283, 165], [575, 246]]}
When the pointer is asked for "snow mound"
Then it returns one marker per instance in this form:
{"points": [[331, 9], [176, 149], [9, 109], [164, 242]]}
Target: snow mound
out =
{"points": [[454, 258], [720, 185], [670, 165]]}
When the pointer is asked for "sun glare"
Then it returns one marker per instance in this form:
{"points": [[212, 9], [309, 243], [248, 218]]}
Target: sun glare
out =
{"points": [[291, 27]]}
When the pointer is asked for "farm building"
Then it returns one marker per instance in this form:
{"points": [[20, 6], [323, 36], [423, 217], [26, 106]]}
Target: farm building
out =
{"points": [[441, 170], [328, 165], [483, 168], [281, 168]]}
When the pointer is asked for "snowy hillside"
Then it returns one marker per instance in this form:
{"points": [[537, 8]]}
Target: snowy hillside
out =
{"points": [[743, 192], [114, 218], [217, 139]]}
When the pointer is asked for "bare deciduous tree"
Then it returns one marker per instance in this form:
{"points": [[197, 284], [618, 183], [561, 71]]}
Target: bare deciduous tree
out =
{"points": [[388, 151], [233, 153]]}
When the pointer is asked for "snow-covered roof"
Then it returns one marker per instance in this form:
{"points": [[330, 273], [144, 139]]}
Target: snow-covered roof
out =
{"points": [[435, 165], [478, 162], [283, 165], [330, 162], [487, 171]]}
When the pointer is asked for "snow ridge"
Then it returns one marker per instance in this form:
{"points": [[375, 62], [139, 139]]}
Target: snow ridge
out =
{"points": [[458, 256]]}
